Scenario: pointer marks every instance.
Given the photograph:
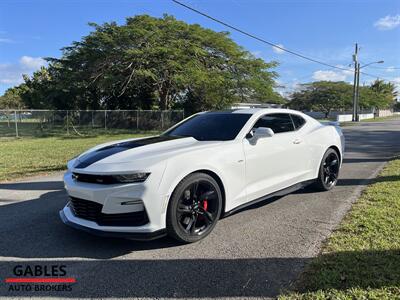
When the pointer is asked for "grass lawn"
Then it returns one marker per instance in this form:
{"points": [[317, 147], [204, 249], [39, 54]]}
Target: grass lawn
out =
{"points": [[30, 128], [380, 119], [29, 156], [377, 119], [361, 259]]}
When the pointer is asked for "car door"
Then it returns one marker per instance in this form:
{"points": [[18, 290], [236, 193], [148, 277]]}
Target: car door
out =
{"points": [[304, 169], [272, 163]]}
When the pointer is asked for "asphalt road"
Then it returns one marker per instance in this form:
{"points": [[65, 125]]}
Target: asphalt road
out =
{"points": [[255, 253]]}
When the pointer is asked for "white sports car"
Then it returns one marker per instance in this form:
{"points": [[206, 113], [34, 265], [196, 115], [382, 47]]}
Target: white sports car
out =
{"points": [[209, 165]]}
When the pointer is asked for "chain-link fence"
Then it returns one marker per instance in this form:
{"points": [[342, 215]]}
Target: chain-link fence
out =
{"points": [[19, 123]]}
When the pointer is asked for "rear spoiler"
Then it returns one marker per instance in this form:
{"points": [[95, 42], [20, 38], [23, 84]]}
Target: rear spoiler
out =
{"points": [[330, 123]]}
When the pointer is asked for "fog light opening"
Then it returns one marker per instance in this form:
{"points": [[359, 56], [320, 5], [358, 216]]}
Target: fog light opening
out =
{"points": [[132, 202]]}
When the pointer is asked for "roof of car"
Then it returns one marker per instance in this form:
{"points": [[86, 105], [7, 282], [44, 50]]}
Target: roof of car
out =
{"points": [[253, 111]]}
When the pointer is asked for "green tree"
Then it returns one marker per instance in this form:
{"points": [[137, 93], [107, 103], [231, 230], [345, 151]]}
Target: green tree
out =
{"points": [[387, 88], [12, 99], [379, 94], [322, 96], [36, 89], [159, 62], [326, 96]]}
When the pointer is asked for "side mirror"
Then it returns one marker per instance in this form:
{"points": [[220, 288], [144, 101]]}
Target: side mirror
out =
{"points": [[262, 132]]}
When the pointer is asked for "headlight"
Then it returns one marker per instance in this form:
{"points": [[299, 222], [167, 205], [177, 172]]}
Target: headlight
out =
{"points": [[130, 178], [110, 179]]}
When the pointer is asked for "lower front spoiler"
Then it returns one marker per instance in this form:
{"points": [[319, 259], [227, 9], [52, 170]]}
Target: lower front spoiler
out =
{"points": [[127, 235]]}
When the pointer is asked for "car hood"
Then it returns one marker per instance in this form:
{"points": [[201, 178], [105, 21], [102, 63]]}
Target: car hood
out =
{"points": [[155, 148]]}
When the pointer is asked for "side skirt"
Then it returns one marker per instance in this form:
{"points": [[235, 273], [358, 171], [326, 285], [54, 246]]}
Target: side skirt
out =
{"points": [[281, 192]]}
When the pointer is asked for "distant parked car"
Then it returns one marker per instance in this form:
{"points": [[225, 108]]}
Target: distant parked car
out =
{"points": [[211, 164]]}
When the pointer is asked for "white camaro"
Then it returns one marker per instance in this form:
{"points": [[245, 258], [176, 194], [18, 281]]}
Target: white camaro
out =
{"points": [[211, 164]]}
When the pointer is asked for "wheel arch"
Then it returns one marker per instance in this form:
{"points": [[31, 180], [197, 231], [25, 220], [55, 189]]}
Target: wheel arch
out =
{"points": [[337, 151], [209, 172], [218, 180]]}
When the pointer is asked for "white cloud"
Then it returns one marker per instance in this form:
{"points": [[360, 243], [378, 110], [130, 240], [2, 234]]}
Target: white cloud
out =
{"points": [[257, 53], [388, 22], [11, 74], [348, 70], [396, 82], [329, 75], [295, 86], [4, 40], [390, 69], [278, 50], [285, 89], [32, 62]]}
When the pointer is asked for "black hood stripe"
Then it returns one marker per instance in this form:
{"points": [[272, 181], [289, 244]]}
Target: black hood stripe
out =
{"points": [[107, 151]]}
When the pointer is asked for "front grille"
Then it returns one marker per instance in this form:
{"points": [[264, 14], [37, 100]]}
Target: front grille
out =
{"points": [[91, 211]]}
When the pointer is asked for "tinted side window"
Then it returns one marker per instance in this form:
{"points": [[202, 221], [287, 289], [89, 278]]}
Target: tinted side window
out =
{"points": [[277, 122], [298, 121], [212, 126]]}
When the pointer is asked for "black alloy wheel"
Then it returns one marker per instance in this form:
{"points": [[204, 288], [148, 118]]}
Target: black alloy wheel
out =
{"points": [[329, 171], [194, 208]]}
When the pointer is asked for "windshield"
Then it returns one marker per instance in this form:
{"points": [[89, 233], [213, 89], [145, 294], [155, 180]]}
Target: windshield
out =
{"points": [[212, 126]]}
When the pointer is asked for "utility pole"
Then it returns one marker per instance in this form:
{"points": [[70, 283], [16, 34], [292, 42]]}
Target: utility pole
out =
{"points": [[355, 89], [358, 92]]}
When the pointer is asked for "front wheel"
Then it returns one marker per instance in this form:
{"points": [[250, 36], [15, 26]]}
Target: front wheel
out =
{"points": [[194, 208], [328, 171]]}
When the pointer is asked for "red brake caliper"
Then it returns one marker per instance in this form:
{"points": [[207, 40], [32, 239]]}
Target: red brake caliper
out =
{"points": [[205, 204]]}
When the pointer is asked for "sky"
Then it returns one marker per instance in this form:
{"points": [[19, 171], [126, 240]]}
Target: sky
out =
{"points": [[326, 30]]}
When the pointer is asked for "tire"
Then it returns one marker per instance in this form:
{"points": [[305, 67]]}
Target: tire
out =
{"points": [[194, 208], [328, 171]]}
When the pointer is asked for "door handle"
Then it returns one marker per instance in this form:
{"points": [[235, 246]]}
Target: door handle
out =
{"points": [[297, 141]]}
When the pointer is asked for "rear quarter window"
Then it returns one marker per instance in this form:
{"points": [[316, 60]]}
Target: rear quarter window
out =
{"points": [[298, 121], [279, 122]]}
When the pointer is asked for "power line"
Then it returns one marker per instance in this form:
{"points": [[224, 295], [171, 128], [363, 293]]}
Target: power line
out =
{"points": [[260, 39], [378, 77], [297, 80], [272, 44], [384, 68]]}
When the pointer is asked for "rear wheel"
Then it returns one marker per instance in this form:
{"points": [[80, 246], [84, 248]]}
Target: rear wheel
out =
{"points": [[194, 208], [328, 171]]}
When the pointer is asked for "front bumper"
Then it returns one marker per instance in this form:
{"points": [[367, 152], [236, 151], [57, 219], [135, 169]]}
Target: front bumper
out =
{"points": [[114, 200], [141, 236]]}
